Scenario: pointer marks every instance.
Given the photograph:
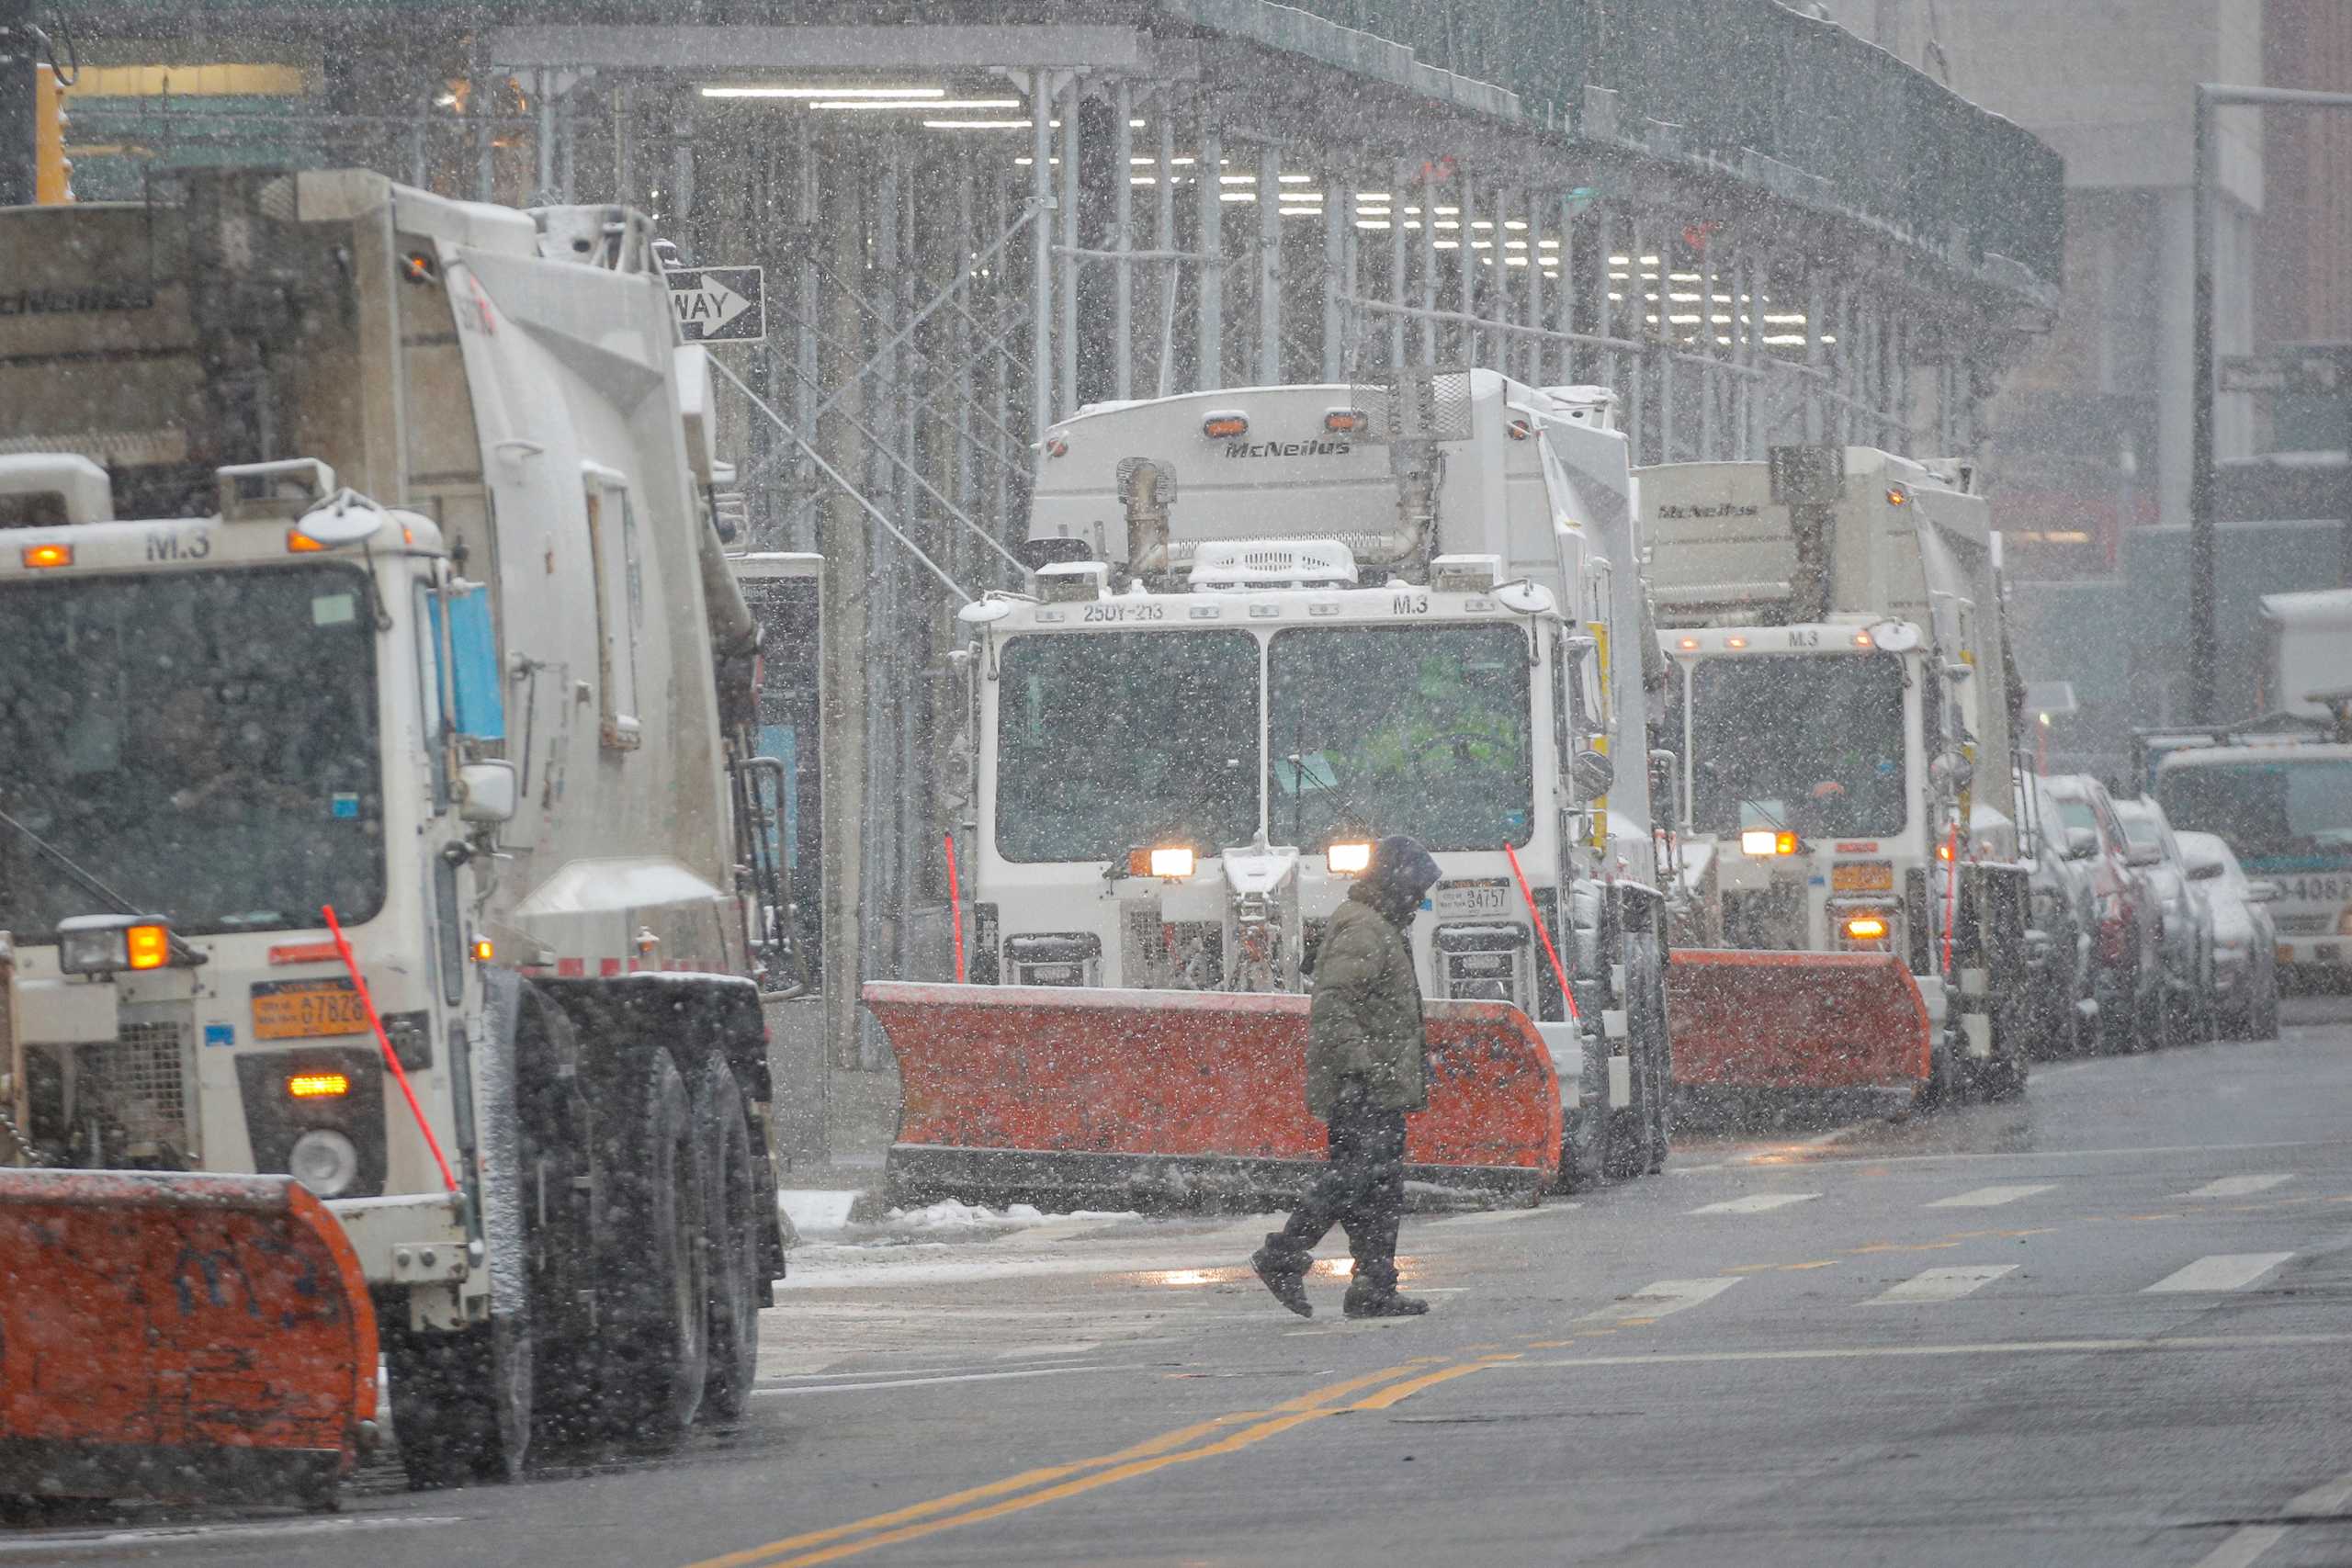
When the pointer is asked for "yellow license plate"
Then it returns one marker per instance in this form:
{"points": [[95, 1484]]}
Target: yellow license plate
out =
{"points": [[1862, 876], [300, 1011]]}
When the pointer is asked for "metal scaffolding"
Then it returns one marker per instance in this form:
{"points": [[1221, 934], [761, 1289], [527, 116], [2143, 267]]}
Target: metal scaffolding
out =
{"points": [[971, 230]]}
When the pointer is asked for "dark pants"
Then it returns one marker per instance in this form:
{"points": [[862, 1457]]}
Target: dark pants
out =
{"points": [[1362, 1191]]}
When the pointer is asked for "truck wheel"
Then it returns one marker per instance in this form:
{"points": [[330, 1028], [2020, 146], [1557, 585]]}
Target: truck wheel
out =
{"points": [[732, 1241], [461, 1403], [1645, 980], [1586, 1133], [657, 1348]]}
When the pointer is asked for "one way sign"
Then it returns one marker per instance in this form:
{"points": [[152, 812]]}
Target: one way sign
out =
{"points": [[719, 304]]}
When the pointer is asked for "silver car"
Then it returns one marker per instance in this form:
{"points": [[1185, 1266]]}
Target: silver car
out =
{"points": [[2187, 921], [2246, 939]]}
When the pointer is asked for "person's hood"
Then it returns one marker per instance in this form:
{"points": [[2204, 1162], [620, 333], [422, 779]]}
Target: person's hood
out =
{"points": [[1400, 875]]}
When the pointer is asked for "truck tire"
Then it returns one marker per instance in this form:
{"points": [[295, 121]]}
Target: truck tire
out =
{"points": [[462, 1402], [1645, 980], [732, 1241], [657, 1344], [1588, 1133], [563, 1166]]}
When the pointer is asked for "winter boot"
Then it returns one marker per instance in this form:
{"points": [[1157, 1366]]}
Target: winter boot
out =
{"points": [[1374, 1298], [1284, 1274]]}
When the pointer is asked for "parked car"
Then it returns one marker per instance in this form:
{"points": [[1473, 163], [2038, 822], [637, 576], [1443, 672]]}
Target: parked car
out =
{"points": [[2061, 938], [2187, 920], [2245, 938], [2129, 935]]}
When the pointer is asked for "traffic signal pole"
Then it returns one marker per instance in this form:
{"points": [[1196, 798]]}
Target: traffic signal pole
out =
{"points": [[21, 57]]}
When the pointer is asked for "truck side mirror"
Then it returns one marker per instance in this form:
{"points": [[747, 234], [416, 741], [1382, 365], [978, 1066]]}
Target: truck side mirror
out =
{"points": [[1594, 773], [1666, 792], [486, 792]]}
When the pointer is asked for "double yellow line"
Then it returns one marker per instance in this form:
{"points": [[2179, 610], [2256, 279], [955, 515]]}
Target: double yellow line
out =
{"points": [[1218, 1436]]}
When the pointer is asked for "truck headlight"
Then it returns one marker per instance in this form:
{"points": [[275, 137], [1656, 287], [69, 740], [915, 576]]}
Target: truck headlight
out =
{"points": [[102, 944], [1349, 860], [324, 1161]]}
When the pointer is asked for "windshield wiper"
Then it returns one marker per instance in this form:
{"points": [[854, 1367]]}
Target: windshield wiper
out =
{"points": [[90, 883]]}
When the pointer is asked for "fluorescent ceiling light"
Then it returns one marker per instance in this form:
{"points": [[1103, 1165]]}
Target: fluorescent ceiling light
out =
{"points": [[979, 125], [833, 92], [920, 104]]}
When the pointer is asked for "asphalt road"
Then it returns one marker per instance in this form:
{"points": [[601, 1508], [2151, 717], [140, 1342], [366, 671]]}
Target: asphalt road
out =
{"points": [[2111, 1324]]}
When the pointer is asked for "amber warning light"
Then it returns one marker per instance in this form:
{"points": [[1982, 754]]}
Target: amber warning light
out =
{"points": [[1167, 861], [318, 1086]]}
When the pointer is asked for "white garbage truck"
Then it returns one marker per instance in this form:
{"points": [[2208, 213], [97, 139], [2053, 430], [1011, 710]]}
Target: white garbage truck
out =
{"points": [[375, 800], [1273, 625], [1849, 903]]}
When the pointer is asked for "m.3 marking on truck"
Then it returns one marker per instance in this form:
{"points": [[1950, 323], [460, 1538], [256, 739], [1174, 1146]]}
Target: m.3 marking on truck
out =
{"points": [[1409, 605], [173, 544]]}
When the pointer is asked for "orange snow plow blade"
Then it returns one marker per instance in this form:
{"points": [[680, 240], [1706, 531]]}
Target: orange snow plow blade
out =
{"points": [[1839, 1024], [197, 1338], [1046, 1093]]}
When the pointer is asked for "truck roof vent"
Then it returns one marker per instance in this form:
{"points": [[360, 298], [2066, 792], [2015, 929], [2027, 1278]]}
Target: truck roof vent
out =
{"points": [[279, 492], [1067, 581], [1233, 564], [48, 490], [1596, 406], [1465, 574]]}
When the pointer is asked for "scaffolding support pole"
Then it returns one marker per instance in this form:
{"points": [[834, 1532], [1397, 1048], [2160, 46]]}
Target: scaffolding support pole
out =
{"points": [[1066, 391], [1399, 263], [1041, 253], [1123, 283], [1164, 238], [1538, 366], [1339, 271], [1208, 371], [1270, 266]]}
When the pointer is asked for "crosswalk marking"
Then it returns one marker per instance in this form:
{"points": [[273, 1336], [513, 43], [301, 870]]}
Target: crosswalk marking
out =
{"points": [[1755, 1203], [2221, 1271], [1942, 1284], [1989, 1197], [2238, 1186], [1662, 1298]]}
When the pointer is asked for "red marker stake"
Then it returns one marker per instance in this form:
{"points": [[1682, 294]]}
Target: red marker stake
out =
{"points": [[1550, 951], [399, 1074], [954, 905]]}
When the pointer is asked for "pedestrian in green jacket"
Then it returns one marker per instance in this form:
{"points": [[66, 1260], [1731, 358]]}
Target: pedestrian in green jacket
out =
{"points": [[1366, 1068]]}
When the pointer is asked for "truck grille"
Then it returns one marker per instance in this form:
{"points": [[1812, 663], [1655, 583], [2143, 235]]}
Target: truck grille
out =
{"points": [[137, 1083]]}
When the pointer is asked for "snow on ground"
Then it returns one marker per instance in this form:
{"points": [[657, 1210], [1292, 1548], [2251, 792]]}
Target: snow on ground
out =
{"points": [[836, 1215]]}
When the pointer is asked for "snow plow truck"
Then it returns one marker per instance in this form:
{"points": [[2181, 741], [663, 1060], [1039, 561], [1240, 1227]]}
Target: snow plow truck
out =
{"points": [[380, 970], [1849, 902], [1273, 625]]}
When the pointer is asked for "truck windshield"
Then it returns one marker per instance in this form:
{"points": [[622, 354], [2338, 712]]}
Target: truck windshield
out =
{"points": [[1808, 741], [2274, 813], [1112, 741], [1416, 729], [203, 744]]}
